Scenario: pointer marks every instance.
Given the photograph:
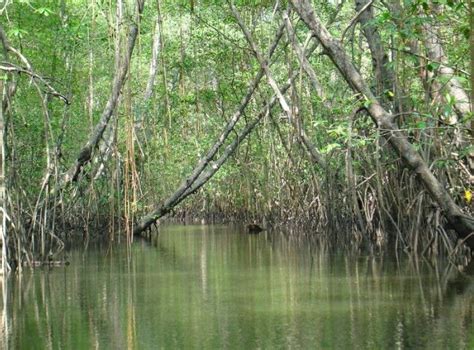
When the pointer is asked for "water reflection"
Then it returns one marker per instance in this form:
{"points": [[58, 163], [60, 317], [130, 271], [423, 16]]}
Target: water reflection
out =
{"points": [[216, 287]]}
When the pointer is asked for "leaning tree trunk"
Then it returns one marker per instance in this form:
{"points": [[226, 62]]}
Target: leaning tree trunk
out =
{"points": [[175, 198], [206, 174], [294, 117], [464, 225], [315, 156], [86, 153], [206, 168], [384, 76]]}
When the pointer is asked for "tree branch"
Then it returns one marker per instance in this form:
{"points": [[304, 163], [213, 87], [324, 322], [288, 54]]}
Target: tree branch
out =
{"points": [[355, 18], [9, 67]]}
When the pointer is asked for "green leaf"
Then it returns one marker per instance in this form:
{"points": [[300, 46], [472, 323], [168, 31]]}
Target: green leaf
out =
{"points": [[421, 125], [389, 93], [367, 103], [432, 66], [465, 31], [45, 11], [450, 99], [17, 32], [330, 147], [338, 131]]}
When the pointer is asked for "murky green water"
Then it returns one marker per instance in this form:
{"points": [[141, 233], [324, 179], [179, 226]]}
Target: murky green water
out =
{"points": [[212, 287]]}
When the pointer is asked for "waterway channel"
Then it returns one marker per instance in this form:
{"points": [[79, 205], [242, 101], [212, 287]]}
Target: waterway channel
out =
{"points": [[217, 287]]}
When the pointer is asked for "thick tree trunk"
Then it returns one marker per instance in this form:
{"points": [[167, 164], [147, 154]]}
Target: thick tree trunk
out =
{"points": [[384, 76], [436, 53], [437, 88], [445, 81], [7, 91], [463, 224]]}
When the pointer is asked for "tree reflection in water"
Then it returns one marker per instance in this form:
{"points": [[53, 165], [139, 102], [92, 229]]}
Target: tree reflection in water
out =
{"points": [[216, 287]]}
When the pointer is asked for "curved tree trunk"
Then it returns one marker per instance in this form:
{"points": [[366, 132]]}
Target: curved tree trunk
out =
{"points": [[86, 153], [463, 224]]}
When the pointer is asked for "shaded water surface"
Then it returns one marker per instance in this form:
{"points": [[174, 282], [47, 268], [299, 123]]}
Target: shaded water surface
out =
{"points": [[215, 287]]}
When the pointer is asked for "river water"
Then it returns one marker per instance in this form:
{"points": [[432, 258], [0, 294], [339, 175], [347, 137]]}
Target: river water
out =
{"points": [[215, 287]]}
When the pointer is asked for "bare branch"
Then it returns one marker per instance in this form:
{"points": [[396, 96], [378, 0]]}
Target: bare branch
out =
{"points": [[356, 17], [9, 67]]}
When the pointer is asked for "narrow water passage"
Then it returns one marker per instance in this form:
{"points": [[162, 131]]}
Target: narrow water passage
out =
{"points": [[212, 287]]}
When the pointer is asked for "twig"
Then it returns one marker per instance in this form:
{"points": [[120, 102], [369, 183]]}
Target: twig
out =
{"points": [[356, 17], [9, 67], [408, 52]]}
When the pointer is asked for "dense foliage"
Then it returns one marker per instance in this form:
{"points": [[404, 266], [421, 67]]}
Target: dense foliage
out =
{"points": [[204, 67]]}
